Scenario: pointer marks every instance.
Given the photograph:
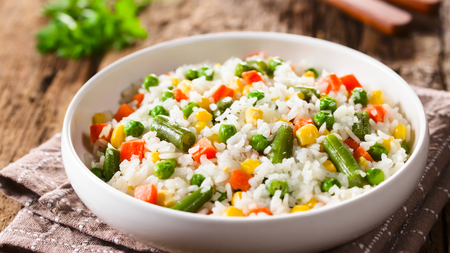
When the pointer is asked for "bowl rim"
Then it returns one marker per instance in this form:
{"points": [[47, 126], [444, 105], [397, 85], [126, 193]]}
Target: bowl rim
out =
{"points": [[420, 137]]}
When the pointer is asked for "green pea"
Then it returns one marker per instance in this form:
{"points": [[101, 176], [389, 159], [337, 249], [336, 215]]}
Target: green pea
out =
{"points": [[259, 142], [405, 147], [206, 72], [275, 185], [197, 179], [328, 183], [274, 62], [133, 128], [191, 74], [328, 103], [170, 88], [226, 131], [359, 96], [158, 110], [150, 81], [189, 108], [376, 151], [240, 68], [98, 172], [256, 93], [165, 169], [223, 196], [374, 176], [324, 117], [166, 95], [316, 73]]}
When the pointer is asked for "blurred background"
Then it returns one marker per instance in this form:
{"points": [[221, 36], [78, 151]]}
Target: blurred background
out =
{"points": [[36, 89]]}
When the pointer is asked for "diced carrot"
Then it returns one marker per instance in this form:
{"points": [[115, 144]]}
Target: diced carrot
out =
{"points": [[350, 82], [260, 210], [252, 76], [132, 148], [96, 129], [138, 97], [205, 147], [351, 143], [361, 152], [301, 122], [334, 84], [179, 95], [221, 92], [239, 180], [147, 193], [124, 111], [376, 112]]}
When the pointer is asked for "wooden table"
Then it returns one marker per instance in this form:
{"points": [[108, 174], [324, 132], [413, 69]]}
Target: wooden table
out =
{"points": [[36, 90]]}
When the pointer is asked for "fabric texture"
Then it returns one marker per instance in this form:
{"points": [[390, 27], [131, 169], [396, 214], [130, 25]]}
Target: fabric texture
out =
{"points": [[54, 219]]}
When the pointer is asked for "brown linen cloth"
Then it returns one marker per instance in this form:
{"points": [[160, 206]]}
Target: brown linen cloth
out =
{"points": [[55, 220]]}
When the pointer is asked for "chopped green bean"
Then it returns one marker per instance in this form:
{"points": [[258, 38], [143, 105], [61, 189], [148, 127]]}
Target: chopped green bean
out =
{"points": [[359, 96], [194, 201], [98, 172], [223, 196], [274, 62], [111, 163], [405, 147], [308, 92], [362, 127], [282, 145], [179, 136]]}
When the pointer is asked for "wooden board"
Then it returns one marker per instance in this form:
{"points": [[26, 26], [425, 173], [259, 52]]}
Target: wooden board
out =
{"points": [[35, 91]]}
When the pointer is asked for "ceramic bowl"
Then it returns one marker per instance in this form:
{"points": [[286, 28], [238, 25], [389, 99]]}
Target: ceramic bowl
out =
{"points": [[176, 231]]}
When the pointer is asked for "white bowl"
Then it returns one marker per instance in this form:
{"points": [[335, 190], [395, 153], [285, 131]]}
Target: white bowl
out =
{"points": [[315, 230]]}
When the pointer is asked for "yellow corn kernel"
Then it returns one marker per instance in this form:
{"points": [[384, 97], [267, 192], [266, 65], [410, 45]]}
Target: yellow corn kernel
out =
{"points": [[362, 162], [283, 120], [233, 212], [275, 98], [155, 157], [307, 134], [400, 132], [312, 202], [214, 138], [174, 80], [252, 115], [326, 132], [129, 189], [185, 86], [217, 65], [236, 197], [200, 126], [164, 198], [236, 85], [387, 143], [246, 89], [288, 97], [99, 118], [204, 103], [300, 95], [309, 74], [301, 208], [203, 115], [249, 165], [377, 97], [226, 169], [118, 136], [329, 165]]}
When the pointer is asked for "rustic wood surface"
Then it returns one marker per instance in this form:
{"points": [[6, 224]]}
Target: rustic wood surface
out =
{"points": [[36, 90]]}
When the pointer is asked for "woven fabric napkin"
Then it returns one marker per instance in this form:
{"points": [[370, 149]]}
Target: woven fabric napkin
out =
{"points": [[54, 219]]}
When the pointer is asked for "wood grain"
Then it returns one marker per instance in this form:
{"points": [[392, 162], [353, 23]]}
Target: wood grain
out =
{"points": [[35, 91]]}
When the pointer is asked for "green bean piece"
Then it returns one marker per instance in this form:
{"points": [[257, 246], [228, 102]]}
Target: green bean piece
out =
{"points": [[328, 183], [259, 66], [324, 117], [222, 105], [241, 68], [191, 74], [359, 96], [328, 103], [274, 62], [259, 142], [150, 81], [308, 92], [189, 108], [111, 163], [165, 169], [374, 176], [158, 110], [194, 201], [405, 147], [134, 128], [166, 95], [362, 127], [316, 73], [256, 94], [208, 73], [98, 172], [343, 159], [223, 196], [226, 131], [376, 151], [276, 185], [169, 131], [197, 179], [282, 144]]}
